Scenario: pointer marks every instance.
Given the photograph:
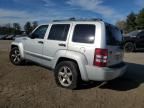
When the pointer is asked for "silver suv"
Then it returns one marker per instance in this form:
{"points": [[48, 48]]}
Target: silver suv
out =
{"points": [[76, 50]]}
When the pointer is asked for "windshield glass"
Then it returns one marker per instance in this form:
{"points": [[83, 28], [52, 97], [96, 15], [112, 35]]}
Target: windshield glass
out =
{"points": [[133, 33], [113, 35]]}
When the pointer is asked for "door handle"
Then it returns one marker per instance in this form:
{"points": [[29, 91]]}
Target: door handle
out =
{"points": [[41, 42], [61, 44]]}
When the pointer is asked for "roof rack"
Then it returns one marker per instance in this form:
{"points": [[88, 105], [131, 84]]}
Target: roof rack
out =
{"points": [[82, 19]]}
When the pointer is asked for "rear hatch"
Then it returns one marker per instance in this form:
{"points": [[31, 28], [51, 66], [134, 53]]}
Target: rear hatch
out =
{"points": [[114, 44]]}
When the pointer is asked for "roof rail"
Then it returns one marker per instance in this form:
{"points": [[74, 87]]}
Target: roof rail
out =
{"points": [[81, 19]]}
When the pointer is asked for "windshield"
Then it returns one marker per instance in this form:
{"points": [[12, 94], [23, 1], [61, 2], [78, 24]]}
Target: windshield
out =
{"points": [[113, 35], [133, 33]]}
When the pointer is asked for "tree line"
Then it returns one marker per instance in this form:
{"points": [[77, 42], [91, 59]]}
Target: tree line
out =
{"points": [[15, 28], [132, 22]]}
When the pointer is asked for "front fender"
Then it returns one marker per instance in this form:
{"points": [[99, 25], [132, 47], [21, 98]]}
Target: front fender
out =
{"points": [[20, 46]]}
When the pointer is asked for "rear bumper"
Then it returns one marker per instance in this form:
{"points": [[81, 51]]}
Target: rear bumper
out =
{"points": [[107, 73]]}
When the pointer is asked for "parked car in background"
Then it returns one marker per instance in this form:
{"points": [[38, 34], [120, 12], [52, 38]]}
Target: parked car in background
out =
{"points": [[1, 36], [10, 37], [134, 40], [18, 36]]}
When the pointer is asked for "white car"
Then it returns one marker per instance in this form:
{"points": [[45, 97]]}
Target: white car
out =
{"points": [[74, 49]]}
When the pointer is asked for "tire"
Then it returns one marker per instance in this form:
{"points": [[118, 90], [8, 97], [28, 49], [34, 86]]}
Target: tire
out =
{"points": [[67, 75], [15, 57], [129, 47]]}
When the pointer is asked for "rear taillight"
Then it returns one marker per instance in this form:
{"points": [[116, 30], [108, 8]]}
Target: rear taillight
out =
{"points": [[100, 57]]}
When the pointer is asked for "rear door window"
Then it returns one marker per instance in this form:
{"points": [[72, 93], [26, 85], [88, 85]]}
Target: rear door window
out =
{"points": [[113, 35], [84, 33], [59, 32]]}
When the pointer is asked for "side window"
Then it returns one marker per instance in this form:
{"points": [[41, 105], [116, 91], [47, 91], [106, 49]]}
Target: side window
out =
{"points": [[84, 33], [141, 34], [59, 32], [39, 33]]}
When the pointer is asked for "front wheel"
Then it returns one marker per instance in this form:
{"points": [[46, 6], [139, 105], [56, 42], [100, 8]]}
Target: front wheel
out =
{"points": [[66, 74], [129, 47], [15, 56]]}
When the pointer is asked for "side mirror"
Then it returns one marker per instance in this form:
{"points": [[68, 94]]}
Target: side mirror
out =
{"points": [[31, 36]]}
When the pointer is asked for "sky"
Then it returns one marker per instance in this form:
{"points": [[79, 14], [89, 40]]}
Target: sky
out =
{"points": [[44, 11]]}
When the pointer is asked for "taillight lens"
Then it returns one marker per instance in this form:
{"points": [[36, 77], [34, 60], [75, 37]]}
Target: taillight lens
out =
{"points": [[100, 57]]}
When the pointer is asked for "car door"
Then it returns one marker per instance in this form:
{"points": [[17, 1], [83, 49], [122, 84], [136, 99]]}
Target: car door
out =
{"points": [[33, 46], [55, 43], [140, 40]]}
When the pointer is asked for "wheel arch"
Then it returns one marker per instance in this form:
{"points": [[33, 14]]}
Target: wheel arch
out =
{"points": [[69, 59], [19, 46], [77, 58], [14, 46]]}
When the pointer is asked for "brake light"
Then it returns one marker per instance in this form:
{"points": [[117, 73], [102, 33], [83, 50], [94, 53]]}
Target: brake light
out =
{"points": [[100, 57]]}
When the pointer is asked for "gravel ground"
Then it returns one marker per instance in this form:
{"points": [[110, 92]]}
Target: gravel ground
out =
{"points": [[33, 86]]}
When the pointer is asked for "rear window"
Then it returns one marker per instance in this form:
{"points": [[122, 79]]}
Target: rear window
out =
{"points": [[84, 33], [113, 35]]}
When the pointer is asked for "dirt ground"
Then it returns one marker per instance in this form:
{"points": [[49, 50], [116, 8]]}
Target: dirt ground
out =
{"points": [[32, 86]]}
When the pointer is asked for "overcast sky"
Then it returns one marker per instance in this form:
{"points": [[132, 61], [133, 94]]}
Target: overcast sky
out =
{"points": [[44, 11]]}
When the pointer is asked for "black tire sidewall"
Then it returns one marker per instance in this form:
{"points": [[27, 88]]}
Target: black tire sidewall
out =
{"points": [[131, 44], [74, 70]]}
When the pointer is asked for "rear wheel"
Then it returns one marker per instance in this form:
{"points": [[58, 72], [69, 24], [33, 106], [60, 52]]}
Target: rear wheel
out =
{"points": [[15, 56], [129, 47], [66, 74]]}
